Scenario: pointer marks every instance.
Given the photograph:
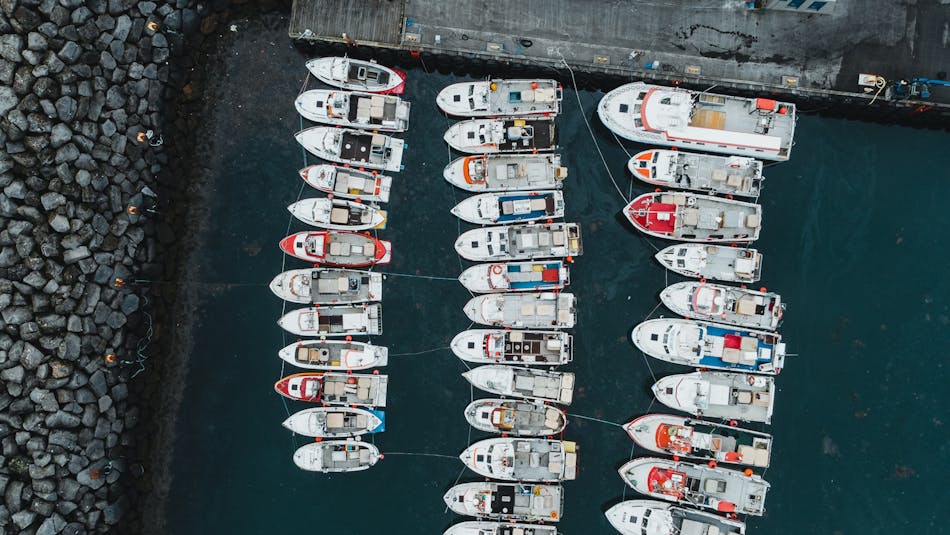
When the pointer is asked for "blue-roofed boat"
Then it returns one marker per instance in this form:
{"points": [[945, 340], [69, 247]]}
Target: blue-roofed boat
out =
{"points": [[514, 207], [532, 276], [710, 345]]}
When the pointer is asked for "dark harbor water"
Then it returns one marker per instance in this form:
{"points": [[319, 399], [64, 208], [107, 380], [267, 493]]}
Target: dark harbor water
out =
{"points": [[855, 230]]}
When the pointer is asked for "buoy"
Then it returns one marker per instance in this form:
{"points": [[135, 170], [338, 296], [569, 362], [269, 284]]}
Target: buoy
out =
{"points": [[132, 209], [348, 338], [712, 464], [351, 380], [657, 190], [493, 86], [382, 456], [534, 85], [318, 439], [570, 259], [110, 358], [152, 26], [119, 282], [702, 280], [748, 472], [140, 137], [676, 458], [763, 289]]}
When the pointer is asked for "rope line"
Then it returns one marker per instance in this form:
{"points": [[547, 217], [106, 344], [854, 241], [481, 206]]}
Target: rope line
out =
{"points": [[420, 454], [433, 350], [582, 417]]}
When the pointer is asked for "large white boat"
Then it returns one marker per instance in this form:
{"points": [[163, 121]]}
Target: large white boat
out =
{"points": [[525, 383], [682, 436], [341, 320], [680, 169], [328, 286], [501, 98], [355, 147], [695, 217], [650, 517], [334, 355], [499, 528], [535, 310], [487, 136], [507, 501], [522, 459], [348, 183], [515, 418], [720, 303], [731, 396], [358, 75], [645, 113], [335, 422], [714, 262], [337, 214], [336, 456], [354, 109], [528, 276], [511, 207], [513, 346], [506, 172], [526, 241], [698, 485]]}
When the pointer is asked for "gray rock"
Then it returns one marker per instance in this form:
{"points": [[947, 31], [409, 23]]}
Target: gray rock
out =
{"points": [[97, 381], [70, 52], [52, 200], [107, 61], [92, 476], [60, 135], [74, 255], [115, 97], [45, 399], [66, 108], [71, 345], [60, 369], [130, 304], [52, 525], [59, 223], [62, 420], [65, 439], [12, 375], [36, 41], [105, 402], [23, 519], [30, 357], [116, 320], [8, 99], [11, 45], [67, 153], [29, 331], [123, 25], [113, 513]]}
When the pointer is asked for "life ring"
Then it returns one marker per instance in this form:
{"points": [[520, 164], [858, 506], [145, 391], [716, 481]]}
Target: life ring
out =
{"points": [[751, 380], [496, 269], [734, 165]]}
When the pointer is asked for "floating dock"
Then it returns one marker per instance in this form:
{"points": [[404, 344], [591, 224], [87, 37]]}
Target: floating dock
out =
{"points": [[814, 59]]}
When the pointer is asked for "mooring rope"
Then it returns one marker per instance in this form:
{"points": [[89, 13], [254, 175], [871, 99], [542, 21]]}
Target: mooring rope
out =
{"points": [[426, 351], [420, 454], [582, 417]]}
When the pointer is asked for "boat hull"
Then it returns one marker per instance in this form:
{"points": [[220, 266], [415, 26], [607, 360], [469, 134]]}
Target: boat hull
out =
{"points": [[348, 183], [681, 436], [334, 355], [334, 456], [713, 262], [695, 218], [334, 321], [710, 395], [335, 422], [515, 418], [337, 248], [636, 517], [506, 172], [336, 71]]}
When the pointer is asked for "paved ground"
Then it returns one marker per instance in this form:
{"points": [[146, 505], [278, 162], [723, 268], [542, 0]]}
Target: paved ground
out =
{"points": [[719, 39]]}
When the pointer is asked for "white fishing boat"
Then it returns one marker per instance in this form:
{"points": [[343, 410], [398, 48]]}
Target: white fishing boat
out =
{"points": [[501, 98], [357, 75], [507, 501], [725, 304], [330, 388], [334, 355], [354, 109], [513, 207], [325, 286], [499, 528], [730, 396], [342, 320], [487, 136], [515, 418], [710, 345], [522, 459], [525, 383], [538, 310], [520, 242], [335, 422], [533, 275], [707, 173], [506, 172], [682, 436], [355, 147], [348, 183], [677, 117], [713, 262], [698, 485], [694, 217], [512, 346], [650, 517], [337, 248], [337, 214], [336, 456]]}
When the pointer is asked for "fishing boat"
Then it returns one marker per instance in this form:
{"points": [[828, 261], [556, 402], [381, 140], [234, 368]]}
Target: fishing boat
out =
{"points": [[678, 117], [348, 183], [325, 286], [499, 528], [696, 218], [334, 355], [351, 389], [488, 136], [515, 418], [730, 396], [713, 262], [725, 304], [337, 214], [650, 517], [707, 173], [511, 346], [358, 75], [539, 310], [698, 439], [698, 485], [332, 456], [354, 109], [501, 98], [525, 383], [341, 320], [507, 501], [335, 422], [522, 459], [710, 345], [506, 172], [354, 147], [516, 276], [528, 241], [513, 207], [337, 248]]}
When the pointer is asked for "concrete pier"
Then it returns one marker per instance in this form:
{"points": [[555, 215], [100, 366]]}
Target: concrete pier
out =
{"points": [[811, 58]]}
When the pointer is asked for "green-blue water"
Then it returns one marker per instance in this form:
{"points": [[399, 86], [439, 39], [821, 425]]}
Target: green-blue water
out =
{"points": [[854, 237]]}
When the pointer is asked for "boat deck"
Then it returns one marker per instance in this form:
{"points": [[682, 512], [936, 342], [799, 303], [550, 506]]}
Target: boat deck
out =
{"points": [[534, 347], [330, 285], [528, 134], [374, 110], [534, 241], [366, 390]]}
